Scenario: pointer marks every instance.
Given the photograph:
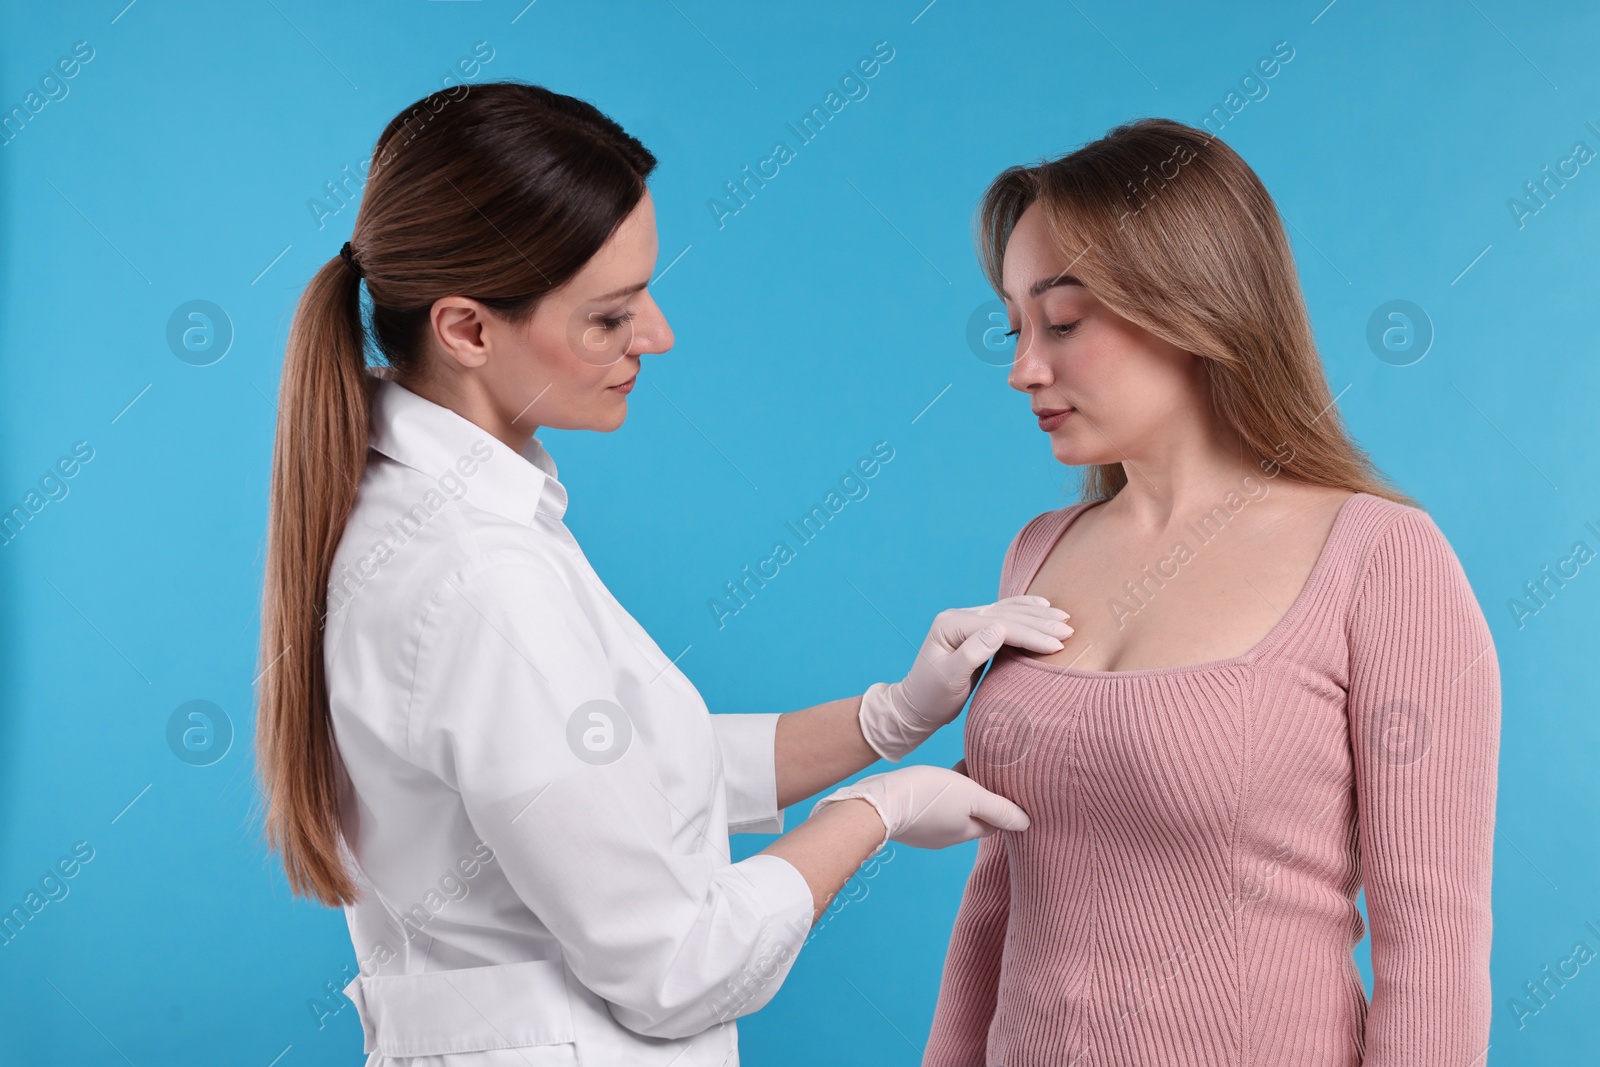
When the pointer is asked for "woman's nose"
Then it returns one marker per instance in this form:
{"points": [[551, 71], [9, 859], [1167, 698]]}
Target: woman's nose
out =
{"points": [[1027, 369], [652, 334]]}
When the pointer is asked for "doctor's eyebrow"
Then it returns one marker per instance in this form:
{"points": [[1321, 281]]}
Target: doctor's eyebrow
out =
{"points": [[1044, 284], [626, 290]]}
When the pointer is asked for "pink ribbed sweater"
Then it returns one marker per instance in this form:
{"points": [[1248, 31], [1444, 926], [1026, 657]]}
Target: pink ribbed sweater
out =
{"points": [[1185, 893]]}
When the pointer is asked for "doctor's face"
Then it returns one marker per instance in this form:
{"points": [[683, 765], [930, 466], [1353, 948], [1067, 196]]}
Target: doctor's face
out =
{"points": [[1122, 388], [573, 363]]}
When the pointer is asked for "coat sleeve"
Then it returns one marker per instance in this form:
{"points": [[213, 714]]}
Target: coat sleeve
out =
{"points": [[1424, 711], [960, 1032], [748, 742], [515, 708]]}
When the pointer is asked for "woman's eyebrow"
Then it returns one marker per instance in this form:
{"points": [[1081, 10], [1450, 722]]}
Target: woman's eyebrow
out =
{"points": [[1050, 283], [1044, 284]]}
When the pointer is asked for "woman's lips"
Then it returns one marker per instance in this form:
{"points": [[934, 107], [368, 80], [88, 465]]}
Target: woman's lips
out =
{"points": [[626, 387], [1050, 418]]}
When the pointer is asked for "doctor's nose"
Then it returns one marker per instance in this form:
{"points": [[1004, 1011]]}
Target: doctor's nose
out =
{"points": [[652, 334]]}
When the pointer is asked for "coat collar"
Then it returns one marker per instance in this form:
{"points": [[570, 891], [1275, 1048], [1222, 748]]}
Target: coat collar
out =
{"points": [[435, 441]]}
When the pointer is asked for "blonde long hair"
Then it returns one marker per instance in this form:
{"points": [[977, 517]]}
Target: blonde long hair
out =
{"points": [[1169, 228], [500, 191]]}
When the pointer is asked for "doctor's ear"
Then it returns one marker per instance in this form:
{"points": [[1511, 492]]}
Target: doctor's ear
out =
{"points": [[463, 328]]}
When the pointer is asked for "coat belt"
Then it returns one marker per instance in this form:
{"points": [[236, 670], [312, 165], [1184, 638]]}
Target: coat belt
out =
{"points": [[470, 1009]]}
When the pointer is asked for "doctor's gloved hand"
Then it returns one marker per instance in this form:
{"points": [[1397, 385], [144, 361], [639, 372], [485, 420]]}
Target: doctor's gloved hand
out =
{"points": [[897, 718], [931, 807]]}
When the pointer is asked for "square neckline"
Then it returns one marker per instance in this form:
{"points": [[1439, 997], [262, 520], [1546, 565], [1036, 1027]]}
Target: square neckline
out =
{"points": [[1324, 560]]}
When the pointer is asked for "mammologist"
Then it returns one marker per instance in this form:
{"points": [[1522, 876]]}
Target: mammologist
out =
{"points": [[447, 684]]}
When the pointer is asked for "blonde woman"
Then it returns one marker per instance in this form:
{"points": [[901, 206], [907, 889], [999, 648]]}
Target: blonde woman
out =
{"points": [[1280, 689], [466, 742]]}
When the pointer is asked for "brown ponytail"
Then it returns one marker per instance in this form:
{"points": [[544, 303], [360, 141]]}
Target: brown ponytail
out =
{"points": [[500, 191]]}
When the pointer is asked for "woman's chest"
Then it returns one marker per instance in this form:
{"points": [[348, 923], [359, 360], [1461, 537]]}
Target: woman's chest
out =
{"points": [[1160, 609], [1175, 753]]}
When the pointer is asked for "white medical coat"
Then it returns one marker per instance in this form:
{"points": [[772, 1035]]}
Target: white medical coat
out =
{"points": [[536, 800]]}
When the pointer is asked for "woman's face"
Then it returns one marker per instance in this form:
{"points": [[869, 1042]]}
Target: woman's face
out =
{"points": [[1123, 387], [571, 365]]}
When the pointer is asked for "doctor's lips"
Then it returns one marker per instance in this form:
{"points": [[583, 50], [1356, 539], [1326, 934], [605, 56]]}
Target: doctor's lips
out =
{"points": [[1050, 418], [625, 387]]}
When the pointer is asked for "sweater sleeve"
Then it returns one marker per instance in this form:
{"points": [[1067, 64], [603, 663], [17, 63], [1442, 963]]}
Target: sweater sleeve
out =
{"points": [[971, 979], [960, 1033], [1424, 711]]}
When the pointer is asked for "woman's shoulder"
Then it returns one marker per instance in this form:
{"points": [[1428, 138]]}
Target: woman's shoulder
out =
{"points": [[1401, 565], [1033, 541], [1387, 532], [1355, 524]]}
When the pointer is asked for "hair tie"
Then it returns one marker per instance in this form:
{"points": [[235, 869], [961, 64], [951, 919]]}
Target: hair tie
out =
{"points": [[350, 259]]}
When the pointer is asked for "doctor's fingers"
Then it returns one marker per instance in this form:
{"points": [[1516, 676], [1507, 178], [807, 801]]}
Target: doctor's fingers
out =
{"points": [[998, 812], [989, 811], [985, 641], [955, 626], [954, 811], [953, 674], [1025, 605], [1028, 604]]}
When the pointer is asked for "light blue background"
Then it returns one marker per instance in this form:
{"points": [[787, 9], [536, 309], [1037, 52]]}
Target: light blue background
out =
{"points": [[824, 317]]}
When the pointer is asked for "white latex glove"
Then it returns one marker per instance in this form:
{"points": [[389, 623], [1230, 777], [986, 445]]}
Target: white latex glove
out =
{"points": [[931, 807], [897, 718]]}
